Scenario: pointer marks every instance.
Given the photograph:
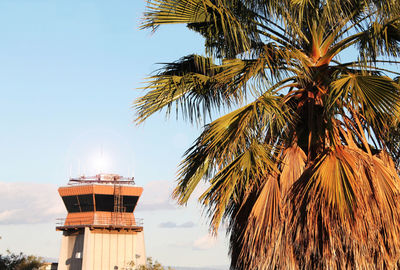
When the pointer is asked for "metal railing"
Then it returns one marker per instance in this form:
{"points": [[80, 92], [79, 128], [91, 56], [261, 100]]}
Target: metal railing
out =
{"points": [[102, 179], [101, 221]]}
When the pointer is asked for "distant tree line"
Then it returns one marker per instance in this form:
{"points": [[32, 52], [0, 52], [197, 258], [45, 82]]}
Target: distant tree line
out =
{"points": [[20, 261], [153, 265], [12, 261]]}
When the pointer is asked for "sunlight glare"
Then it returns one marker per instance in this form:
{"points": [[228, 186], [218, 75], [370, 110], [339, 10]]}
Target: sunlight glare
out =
{"points": [[100, 163]]}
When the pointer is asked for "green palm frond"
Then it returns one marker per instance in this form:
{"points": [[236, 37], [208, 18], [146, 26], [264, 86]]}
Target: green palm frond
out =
{"points": [[380, 39], [174, 11], [235, 179], [269, 65], [221, 140], [372, 96], [232, 132], [191, 85], [223, 44], [215, 20]]}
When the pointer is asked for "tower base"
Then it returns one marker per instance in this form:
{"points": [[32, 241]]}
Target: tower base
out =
{"points": [[91, 248]]}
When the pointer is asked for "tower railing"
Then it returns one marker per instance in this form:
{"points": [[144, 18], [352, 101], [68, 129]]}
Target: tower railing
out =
{"points": [[102, 179], [100, 221]]}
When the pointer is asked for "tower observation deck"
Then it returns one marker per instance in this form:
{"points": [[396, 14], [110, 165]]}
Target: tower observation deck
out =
{"points": [[101, 230]]}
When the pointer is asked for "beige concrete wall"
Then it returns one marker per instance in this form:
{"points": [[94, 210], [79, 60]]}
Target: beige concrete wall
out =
{"points": [[140, 247], [105, 250], [102, 250], [71, 252]]}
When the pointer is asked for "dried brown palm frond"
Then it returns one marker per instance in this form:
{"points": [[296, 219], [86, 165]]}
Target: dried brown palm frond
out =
{"points": [[316, 228], [293, 164]]}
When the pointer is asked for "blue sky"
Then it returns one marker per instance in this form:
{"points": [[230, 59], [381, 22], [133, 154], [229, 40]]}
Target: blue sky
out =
{"points": [[69, 72]]}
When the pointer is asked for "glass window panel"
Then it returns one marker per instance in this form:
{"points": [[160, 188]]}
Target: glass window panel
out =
{"points": [[129, 203], [86, 202], [104, 202], [71, 203]]}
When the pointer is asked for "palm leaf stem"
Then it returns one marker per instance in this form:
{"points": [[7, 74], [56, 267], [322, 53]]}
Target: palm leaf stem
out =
{"points": [[277, 39], [375, 61], [347, 136], [280, 83], [387, 61], [360, 130], [374, 68], [350, 128], [356, 23], [285, 86], [334, 33], [340, 46], [288, 41], [274, 24]]}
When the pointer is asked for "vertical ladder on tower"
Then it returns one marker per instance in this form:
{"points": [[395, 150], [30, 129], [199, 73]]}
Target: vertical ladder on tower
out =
{"points": [[118, 205]]}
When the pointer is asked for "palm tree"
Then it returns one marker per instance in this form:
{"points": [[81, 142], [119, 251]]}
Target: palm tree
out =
{"points": [[304, 167]]}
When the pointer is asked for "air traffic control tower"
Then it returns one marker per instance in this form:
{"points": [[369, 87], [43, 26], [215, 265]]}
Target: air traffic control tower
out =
{"points": [[101, 231]]}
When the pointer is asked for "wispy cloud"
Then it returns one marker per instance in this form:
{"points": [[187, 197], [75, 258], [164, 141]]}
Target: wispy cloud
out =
{"points": [[204, 242], [188, 224], [156, 196], [27, 203], [170, 224]]}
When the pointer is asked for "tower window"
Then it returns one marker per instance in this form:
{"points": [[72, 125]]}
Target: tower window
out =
{"points": [[104, 202], [71, 203]]}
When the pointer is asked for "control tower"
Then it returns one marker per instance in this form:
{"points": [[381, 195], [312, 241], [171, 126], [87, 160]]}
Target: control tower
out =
{"points": [[101, 231]]}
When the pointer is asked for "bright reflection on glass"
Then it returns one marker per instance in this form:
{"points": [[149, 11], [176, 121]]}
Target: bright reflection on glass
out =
{"points": [[100, 163]]}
